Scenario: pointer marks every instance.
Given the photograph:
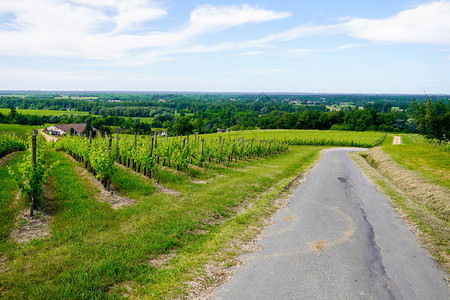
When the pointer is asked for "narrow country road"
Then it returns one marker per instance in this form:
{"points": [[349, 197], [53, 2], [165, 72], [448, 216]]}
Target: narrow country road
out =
{"points": [[339, 238]]}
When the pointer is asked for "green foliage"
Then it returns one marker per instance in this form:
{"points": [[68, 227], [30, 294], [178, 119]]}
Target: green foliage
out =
{"points": [[8, 205], [182, 126], [433, 119], [188, 150], [97, 156], [10, 143], [30, 178], [310, 137]]}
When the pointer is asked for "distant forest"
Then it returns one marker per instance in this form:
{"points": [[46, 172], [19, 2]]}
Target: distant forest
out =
{"points": [[206, 113]]}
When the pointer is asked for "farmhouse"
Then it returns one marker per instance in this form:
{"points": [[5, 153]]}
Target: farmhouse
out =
{"points": [[63, 129], [219, 130], [161, 132]]}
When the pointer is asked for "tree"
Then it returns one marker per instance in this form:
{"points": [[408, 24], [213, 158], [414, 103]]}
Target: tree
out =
{"points": [[182, 126], [13, 112], [88, 127], [199, 126], [433, 119]]}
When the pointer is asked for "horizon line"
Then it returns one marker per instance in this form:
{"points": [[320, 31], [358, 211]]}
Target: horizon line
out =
{"points": [[219, 93]]}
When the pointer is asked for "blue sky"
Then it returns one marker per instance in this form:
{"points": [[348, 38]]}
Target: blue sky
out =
{"points": [[347, 46]]}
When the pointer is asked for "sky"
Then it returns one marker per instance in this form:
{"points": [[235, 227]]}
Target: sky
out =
{"points": [[320, 46]]}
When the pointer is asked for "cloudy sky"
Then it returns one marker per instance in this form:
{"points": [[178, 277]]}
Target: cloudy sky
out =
{"points": [[345, 46]]}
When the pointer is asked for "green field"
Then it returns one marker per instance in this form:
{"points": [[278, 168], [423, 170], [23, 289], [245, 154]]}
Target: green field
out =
{"points": [[19, 130], [44, 112], [309, 137], [430, 162]]}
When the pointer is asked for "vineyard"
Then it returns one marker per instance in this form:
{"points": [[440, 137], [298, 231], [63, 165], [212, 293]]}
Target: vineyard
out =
{"points": [[313, 137], [10, 143], [435, 143], [146, 154], [21, 131]]}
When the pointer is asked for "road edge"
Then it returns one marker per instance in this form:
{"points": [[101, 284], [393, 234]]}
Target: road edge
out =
{"points": [[418, 220]]}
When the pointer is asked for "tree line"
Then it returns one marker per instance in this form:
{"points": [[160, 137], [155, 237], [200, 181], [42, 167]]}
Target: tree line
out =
{"points": [[208, 114]]}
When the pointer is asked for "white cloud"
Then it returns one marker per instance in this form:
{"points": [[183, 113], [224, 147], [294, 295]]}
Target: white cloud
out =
{"points": [[135, 12], [206, 18], [425, 24], [309, 51], [301, 31], [103, 29]]}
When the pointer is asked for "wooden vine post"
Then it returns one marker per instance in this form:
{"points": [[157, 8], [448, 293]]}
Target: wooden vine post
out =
{"points": [[202, 148], [151, 147], [117, 147], [108, 179], [33, 161], [151, 155]]}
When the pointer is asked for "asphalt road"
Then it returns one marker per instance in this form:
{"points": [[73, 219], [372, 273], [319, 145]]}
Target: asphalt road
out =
{"points": [[339, 238]]}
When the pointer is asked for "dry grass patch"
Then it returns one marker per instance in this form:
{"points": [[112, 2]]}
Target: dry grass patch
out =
{"points": [[29, 227]]}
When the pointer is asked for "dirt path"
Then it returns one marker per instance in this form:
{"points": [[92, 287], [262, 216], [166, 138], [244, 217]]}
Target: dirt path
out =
{"points": [[397, 140], [48, 137], [5, 159]]}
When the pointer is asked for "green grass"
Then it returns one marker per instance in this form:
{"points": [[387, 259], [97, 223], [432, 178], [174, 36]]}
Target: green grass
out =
{"points": [[44, 112], [430, 162], [8, 191], [96, 252]]}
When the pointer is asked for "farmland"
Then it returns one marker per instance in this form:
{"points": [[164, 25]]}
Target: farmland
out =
{"points": [[428, 160], [314, 137], [153, 232], [44, 112]]}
